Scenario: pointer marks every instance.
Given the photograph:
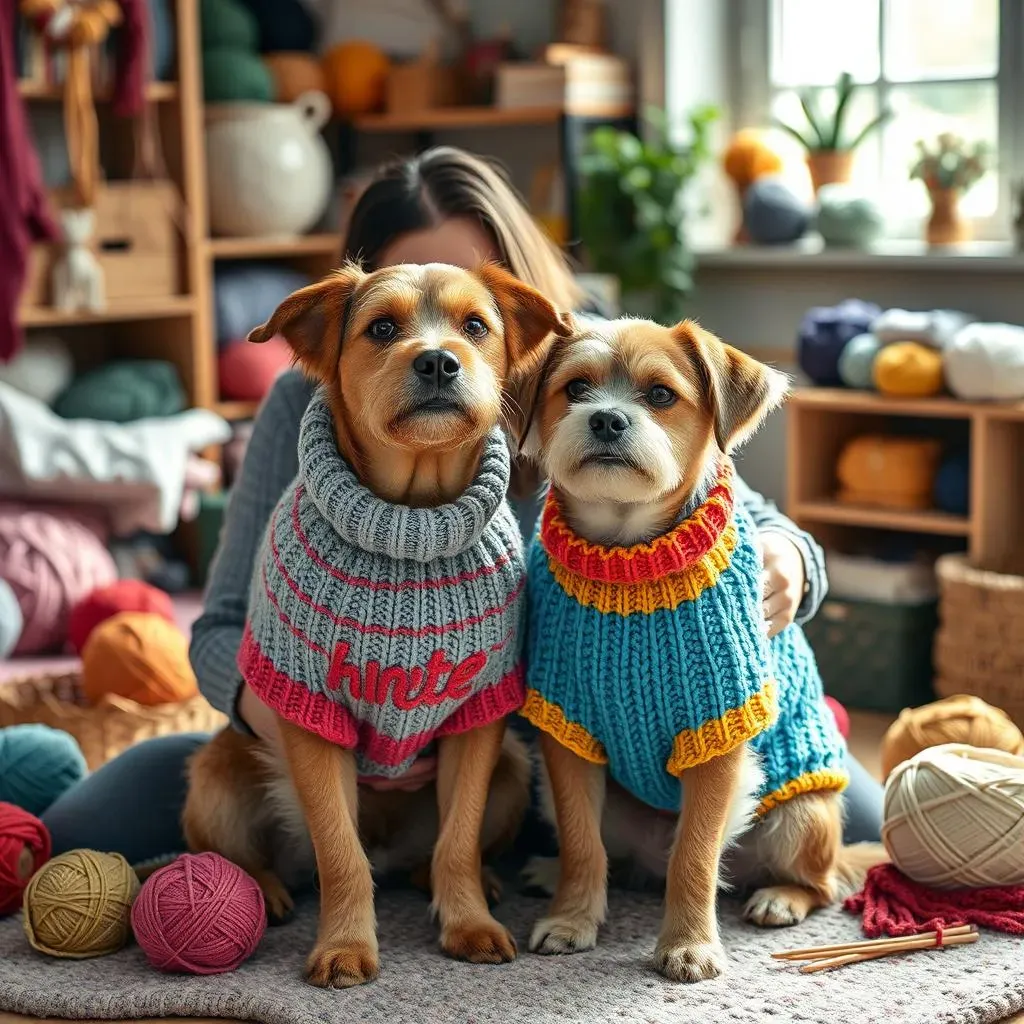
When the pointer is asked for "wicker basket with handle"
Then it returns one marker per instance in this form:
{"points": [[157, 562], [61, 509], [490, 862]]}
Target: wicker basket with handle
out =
{"points": [[979, 647], [105, 729]]}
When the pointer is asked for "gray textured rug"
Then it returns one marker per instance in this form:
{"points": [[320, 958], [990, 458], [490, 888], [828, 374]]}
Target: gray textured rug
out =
{"points": [[976, 984]]}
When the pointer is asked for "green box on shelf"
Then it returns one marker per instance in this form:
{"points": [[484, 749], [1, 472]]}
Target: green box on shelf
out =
{"points": [[875, 656]]}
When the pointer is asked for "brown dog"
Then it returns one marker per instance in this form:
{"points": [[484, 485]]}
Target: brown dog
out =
{"points": [[631, 423], [367, 338]]}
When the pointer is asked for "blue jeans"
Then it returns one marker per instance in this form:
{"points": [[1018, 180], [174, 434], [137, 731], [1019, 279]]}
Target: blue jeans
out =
{"points": [[132, 805]]}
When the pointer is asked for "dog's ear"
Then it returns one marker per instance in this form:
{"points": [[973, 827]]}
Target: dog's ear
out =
{"points": [[741, 391], [312, 321]]}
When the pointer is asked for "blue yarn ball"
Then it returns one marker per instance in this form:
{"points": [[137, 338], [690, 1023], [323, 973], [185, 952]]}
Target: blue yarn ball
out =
{"points": [[11, 621], [37, 764], [246, 294], [825, 332], [953, 485], [774, 214], [857, 361]]}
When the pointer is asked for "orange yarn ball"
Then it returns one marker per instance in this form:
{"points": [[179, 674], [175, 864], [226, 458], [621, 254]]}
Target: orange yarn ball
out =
{"points": [[355, 78], [907, 369], [749, 157], [294, 74], [139, 656]]}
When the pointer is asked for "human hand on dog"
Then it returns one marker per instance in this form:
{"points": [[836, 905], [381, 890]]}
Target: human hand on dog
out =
{"points": [[784, 580]]}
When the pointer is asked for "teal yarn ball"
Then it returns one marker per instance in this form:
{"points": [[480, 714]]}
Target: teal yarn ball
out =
{"points": [[122, 391], [847, 218], [11, 619], [857, 361], [235, 76], [37, 764], [228, 23]]}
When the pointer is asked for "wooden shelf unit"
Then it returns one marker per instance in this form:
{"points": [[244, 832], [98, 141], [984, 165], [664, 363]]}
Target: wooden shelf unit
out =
{"points": [[822, 420]]}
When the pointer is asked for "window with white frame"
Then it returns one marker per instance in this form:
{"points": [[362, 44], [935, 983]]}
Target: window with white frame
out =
{"points": [[938, 65]]}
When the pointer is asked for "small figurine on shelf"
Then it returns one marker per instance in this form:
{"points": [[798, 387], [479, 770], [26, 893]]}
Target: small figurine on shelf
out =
{"points": [[78, 277], [948, 171]]}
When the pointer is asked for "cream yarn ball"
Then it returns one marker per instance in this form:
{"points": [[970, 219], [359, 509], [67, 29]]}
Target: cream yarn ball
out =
{"points": [[954, 817]]}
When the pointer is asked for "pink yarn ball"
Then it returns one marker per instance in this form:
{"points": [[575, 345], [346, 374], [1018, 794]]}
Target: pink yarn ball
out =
{"points": [[201, 914], [247, 370], [51, 560], [841, 716], [105, 602]]}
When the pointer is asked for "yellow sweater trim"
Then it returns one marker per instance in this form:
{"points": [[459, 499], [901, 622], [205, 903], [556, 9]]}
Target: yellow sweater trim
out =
{"points": [[551, 719], [811, 782], [720, 735], [646, 596]]}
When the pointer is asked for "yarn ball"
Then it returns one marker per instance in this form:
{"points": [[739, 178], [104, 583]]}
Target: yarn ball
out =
{"points": [[846, 217], [105, 602], [283, 24], [37, 765], [888, 472], [11, 621], [841, 715], [161, 47], [953, 490], [824, 333], [43, 368], [953, 817], [857, 361], [356, 75], [773, 213], [49, 560], [232, 75], [201, 914], [293, 74], [246, 294], [247, 372], [750, 156], [24, 849], [122, 391], [962, 718], [79, 905], [228, 23], [908, 370], [985, 362], [139, 656]]}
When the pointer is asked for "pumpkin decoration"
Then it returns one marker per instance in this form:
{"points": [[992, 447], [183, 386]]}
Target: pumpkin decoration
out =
{"points": [[355, 78], [747, 158]]}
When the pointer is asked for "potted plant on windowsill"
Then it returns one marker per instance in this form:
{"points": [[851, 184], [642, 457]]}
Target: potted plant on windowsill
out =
{"points": [[829, 148], [633, 212], [948, 171]]}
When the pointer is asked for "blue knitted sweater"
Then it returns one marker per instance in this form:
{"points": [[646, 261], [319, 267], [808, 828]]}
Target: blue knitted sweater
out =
{"points": [[652, 659]]}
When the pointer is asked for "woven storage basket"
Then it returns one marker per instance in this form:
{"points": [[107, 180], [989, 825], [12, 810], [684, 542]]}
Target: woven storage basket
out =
{"points": [[979, 647], [102, 730]]}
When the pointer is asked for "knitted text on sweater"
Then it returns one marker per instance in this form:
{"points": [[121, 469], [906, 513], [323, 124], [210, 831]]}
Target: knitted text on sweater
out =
{"points": [[653, 659], [379, 626]]}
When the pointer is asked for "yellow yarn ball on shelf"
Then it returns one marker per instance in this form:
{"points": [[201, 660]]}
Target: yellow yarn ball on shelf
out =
{"points": [[961, 718], [906, 369], [79, 905]]}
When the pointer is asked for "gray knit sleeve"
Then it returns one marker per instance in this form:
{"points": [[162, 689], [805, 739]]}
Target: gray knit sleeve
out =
{"points": [[270, 465], [767, 517]]}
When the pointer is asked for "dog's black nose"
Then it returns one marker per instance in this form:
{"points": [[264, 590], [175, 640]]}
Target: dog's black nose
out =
{"points": [[609, 424], [437, 366]]}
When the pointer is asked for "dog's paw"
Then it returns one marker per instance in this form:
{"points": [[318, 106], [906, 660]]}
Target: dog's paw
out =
{"points": [[541, 875], [280, 906], [563, 934], [686, 961], [483, 942], [777, 907], [342, 965]]}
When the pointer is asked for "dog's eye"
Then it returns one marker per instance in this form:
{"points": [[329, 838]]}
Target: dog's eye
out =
{"points": [[475, 327], [383, 329], [576, 389], [660, 396]]}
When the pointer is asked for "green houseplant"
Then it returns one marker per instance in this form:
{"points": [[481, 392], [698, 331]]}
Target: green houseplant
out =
{"points": [[830, 146], [632, 209]]}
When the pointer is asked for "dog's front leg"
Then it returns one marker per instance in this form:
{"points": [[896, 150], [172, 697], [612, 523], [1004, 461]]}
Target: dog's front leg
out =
{"points": [[324, 776], [465, 765], [581, 897], [689, 948]]}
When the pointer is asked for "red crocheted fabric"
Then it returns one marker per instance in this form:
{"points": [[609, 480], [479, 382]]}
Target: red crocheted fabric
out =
{"points": [[894, 905]]}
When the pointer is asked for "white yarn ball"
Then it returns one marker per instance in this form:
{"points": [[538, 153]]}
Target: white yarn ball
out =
{"points": [[954, 817], [985, 362], [42, 369]]}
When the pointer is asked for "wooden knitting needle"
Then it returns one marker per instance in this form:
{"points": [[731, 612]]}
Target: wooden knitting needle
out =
{"points": [[856, 958], [816, 952]]}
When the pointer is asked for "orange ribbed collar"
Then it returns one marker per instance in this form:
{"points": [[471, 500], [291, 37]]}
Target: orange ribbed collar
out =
{"points": [[673, 552]]}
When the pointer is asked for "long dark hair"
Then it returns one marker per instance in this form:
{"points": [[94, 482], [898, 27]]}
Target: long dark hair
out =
{"points": [[444, 183]]}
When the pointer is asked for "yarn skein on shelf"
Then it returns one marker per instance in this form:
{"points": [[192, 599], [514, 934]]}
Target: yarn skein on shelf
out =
{"points": [[24, 849], [37, 765], [962, 718], [104, 603], [908, 369], [953, 817], [200, 914], [79, 905]]}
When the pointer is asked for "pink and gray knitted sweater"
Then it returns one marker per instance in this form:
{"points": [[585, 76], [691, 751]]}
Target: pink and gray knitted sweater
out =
{"points": [[379, 626]]}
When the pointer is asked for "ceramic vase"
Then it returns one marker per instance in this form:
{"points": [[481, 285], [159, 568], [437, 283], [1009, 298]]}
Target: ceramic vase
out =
{"points": [[946, 225], [829, 167]]}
